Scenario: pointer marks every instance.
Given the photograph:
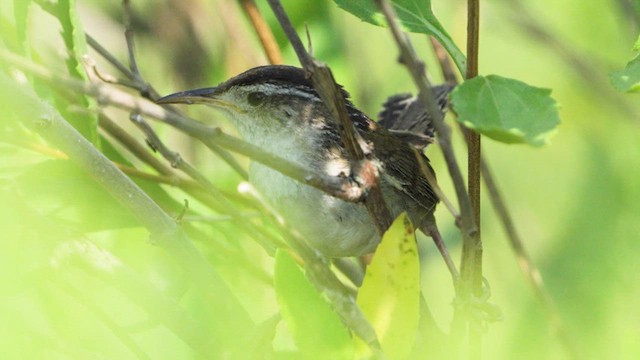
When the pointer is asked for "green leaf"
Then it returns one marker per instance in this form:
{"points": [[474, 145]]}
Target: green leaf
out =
{"points": [[316, 329], [414, 15], [75, 41], [390, 293], [73, 36], [506, 110], [627, 79]]}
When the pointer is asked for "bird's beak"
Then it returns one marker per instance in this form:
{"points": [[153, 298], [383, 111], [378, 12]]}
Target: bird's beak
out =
{"points": [[195, 96], [206, 96]]}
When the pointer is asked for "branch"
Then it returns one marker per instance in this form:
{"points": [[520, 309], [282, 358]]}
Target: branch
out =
{"points": [[173, 157], [222, 205], [128, 35], [133, 145], [433, 230], [108, 56]]}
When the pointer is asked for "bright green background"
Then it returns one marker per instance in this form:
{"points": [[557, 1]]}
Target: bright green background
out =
{"points": [[69, 266]]}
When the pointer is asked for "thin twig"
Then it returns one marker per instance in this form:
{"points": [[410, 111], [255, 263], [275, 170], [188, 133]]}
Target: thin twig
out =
{"points": [[263, 31], [161, 179], [349, 268], [471, 265], [212, 219], [322, 81], [36, 147], [128, 35], [432, 229], [446, 65], [433, 182], [173, 157], [90, 63], [108, 56], [145, 89], [133, 145], [131, 171]]}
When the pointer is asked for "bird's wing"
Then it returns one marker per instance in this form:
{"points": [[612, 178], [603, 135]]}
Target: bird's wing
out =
{"points": [[406, 117]]}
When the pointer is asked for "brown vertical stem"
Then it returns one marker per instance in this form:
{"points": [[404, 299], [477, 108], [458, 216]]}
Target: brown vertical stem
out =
{"points": [[471, 265], [265, 35], [472, 252]]}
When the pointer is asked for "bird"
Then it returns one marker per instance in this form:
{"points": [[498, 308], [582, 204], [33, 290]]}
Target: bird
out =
{"points": [[276, 108]]}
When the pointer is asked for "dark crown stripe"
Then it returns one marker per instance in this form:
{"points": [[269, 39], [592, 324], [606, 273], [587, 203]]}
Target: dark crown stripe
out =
{"points": [[275, 74]]}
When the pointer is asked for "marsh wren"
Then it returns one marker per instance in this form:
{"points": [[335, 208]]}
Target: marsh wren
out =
{"points": [[277, 109]]}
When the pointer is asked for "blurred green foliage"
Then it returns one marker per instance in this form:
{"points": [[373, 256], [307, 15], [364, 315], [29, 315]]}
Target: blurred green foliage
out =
{"points": [[82, 280]]}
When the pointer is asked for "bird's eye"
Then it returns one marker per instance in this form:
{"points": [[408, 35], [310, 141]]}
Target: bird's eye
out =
{"points": [[255, 98]]}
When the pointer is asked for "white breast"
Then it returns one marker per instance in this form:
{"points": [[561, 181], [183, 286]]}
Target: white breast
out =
{"points": [[332, 226]]}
